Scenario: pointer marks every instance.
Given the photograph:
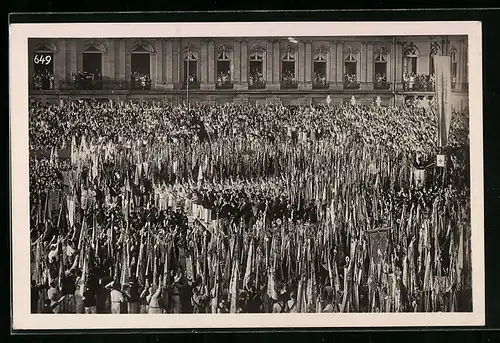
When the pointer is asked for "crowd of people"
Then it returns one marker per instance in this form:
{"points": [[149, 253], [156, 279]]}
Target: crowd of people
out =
{"points": [[43, 80], [163, 208], [224, 79], [351, 80], [256, 79], [86, 80], [320, 80], [140, 80], [288, 79], [418, 82]]}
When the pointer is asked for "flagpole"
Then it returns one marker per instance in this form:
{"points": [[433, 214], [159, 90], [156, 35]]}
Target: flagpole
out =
{"points": [[188, 77]]}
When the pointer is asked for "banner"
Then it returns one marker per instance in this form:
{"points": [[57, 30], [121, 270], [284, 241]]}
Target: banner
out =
{"points": [[378, 240], [442, 66]]}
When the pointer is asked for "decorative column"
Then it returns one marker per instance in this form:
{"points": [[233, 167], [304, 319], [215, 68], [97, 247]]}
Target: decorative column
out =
{"points": [[153, 71], [370, 64], [276, 62], [203, 58], [79, 55], [332, 63], [59, 64], [301, 60], [339, 62], [244, 63], [111, 70], [160, 82], [398, 57], [272, 61], [236, 77], [120, 60], [461, 67], [308, 66], [366, 65], [211, 65], [362, 66], [169, 59], [269, 65]]}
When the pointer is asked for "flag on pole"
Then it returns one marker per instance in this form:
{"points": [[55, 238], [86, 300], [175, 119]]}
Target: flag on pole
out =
{"points": [[443, 93]]}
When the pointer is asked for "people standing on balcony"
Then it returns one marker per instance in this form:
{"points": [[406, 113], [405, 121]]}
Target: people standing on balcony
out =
{"points": [[256, 78], [223, 79], [320, 79], [288, 78]]}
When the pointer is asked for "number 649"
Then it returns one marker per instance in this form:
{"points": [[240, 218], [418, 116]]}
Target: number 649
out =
{"points": [[42, 59]]}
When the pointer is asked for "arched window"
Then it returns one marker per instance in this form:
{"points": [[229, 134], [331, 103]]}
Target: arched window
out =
{"points": [[350, 69], [288, 77], [91, 75], [454, 66], [43, 67], [191, 67], [434, 50], [140, 65], [410, 58], [381, 69], [320, 68], [256, 78], [223, 68]]}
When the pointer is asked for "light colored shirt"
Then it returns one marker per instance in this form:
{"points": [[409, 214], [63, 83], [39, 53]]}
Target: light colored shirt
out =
{"points": [[153, 299], [116, 296]]}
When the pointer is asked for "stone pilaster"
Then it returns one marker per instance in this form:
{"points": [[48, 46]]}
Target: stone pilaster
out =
{"points": [[211, 65], [332, 63], [339, 62], [169, 59], [399, 66], [244, 62], [308, 66], [59, 64]]}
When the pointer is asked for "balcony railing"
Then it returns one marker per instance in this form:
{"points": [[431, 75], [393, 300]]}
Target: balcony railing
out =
{"points": [[256, 83], [321, 85], [289, 84], [42, 82], [87, 84], [192, 85], [418, 83], [351, 85], [140, 83], [224, 85], [381, 85]]}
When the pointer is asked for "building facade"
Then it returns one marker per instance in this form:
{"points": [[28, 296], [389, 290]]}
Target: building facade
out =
{"points": [[268, 69]]}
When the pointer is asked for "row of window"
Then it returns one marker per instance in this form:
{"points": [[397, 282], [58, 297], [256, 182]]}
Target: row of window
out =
{"points": [[140, 78]]}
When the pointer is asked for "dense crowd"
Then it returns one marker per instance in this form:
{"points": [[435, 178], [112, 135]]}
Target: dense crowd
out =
{"points": [[43, 80], [239, 208]]}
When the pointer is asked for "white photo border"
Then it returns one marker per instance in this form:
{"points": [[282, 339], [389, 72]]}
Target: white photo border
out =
{"points": [[19, 34]]}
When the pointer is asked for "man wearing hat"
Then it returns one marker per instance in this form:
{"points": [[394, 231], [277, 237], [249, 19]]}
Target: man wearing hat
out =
{"points": [[116, 296]]}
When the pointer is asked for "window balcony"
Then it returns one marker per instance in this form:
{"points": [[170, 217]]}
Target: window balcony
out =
{"points": [[351, 81], [86, 81], [289, 84], [351, 85], [140, 82], [192, 85], [321, 85], [256, 82], [418, 83], [381, 85], [224, 84]]}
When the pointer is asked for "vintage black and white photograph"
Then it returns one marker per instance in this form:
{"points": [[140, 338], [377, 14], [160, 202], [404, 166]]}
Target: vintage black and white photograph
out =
{"points": [[297, 173]]}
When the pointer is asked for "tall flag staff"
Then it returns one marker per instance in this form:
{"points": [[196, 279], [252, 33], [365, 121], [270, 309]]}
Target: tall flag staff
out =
{"points": [[442, 94], [188, 76]]}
